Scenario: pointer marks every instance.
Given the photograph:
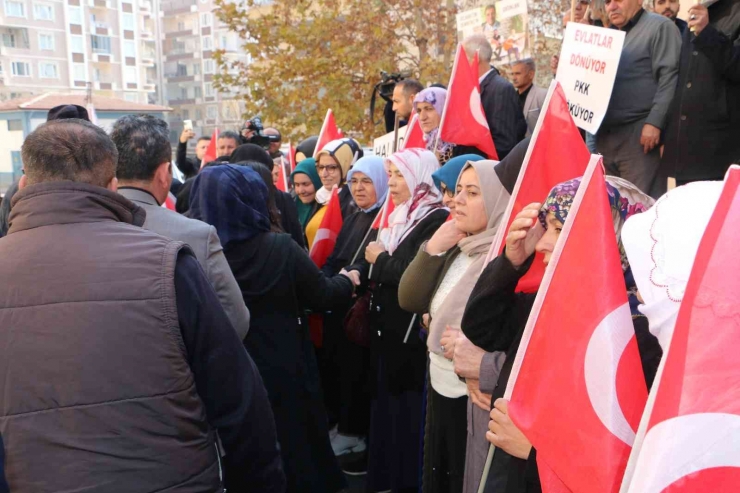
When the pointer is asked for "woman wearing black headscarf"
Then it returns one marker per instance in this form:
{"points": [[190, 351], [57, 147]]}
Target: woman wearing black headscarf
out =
{"points": [[279, 282]]}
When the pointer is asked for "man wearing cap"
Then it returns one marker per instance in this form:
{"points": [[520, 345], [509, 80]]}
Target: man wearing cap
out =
{"points": [[61, 112], [333, 162]]}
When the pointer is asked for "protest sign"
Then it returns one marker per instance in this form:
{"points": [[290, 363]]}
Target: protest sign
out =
{"points": [[503, 23], [383, 146], [588, 65]]}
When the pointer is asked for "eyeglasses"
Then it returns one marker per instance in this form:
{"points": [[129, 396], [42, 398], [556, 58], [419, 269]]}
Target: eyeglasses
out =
{"points": [[446, 191], [331, 168]]}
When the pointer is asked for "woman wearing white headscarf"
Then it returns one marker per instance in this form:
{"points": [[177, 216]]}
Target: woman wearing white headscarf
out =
{"points": [[398, 354], [439, 282]]}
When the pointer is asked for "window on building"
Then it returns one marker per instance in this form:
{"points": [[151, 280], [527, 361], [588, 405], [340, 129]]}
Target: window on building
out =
{"points": [[205, 19], [209, 89], [75, 15], [43, 12], [196, 68], [181, 26], [212, 112], [185, 115], [21, 69], [131, 75], [207, 43], [96, 74], [198, 114], [178, 47], [46, 41], [182, 70], [197, 92], [129, 48], [128, 21], [100, 44], [9, 40], [48, 70], [77, 44], [1, 69], [208, 66], [131, 97], [15, 125], [78, 72], [183, 93], [15, 9]]}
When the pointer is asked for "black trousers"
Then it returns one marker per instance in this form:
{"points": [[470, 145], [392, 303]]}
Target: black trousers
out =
{"points": [[445, 438]]}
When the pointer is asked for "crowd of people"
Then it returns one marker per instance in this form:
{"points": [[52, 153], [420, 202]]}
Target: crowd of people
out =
{"points": [[203, 349]]}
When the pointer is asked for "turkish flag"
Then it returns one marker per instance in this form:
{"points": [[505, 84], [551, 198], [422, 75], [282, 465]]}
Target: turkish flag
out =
{"points": [[282, 181], [381, 220], [291, 157], [170, 201], [577, 389], [474, 69], [326, 236], [556, 154], [463, 120], [414, 135], [211, 151], [329, 132], [692, 443]]}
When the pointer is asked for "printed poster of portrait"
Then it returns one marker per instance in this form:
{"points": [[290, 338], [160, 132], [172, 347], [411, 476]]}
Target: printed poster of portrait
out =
{"points": [[504, 24]]}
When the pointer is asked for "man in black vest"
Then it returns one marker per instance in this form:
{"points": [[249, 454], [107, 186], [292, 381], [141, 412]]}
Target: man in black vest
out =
{"points": [[120, 367]]}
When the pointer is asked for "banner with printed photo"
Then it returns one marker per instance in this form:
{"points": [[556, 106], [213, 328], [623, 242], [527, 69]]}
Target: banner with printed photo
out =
{"points": [[504, 23]]}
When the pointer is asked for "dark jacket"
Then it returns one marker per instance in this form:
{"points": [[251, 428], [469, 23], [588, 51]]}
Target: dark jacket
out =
{"points": [[109, 312], [703, 134], [289, 217], [5, 208], [405, 363], [494, 319], [503, 112], [349, 241], [346, 202], [279, 283], [3, 483], [188, 167]]}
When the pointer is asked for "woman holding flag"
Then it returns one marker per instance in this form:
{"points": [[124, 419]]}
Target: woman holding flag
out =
{"points": [[345, 375], [439, 282], [279, 282], [496, 315], [398, 354]]}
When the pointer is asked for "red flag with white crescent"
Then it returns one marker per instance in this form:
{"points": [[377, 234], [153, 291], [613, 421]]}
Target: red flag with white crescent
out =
{"points": [[692, 443], [463, 120], [577, 389], [329, 132], [291, 157], [556, 154], [326, 236]]}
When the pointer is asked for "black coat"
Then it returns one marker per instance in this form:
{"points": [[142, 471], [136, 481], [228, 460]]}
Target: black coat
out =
{"points": [[289, 217], [349, 241], [188, 167], [503, 112], [279, 282], [405, 363], [703, 132], [494, 319]]}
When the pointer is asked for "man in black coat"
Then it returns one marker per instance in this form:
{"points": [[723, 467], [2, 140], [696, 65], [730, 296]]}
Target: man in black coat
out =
{"points": [[500, 99], [703, 134]]}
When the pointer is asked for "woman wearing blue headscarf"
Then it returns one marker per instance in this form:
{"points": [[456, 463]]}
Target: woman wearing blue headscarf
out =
{"points": [[279, 282], [344, 364], [445, 178]]}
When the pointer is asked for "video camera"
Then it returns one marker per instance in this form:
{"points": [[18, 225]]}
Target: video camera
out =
{"points": [[385, 88], [258, 136]]}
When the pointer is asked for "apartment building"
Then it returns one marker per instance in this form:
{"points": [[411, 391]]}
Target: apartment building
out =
{"points": [[55, 45], [142, 51], [190, 34]]}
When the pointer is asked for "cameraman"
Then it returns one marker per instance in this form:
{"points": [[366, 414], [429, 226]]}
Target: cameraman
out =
{"points": [[275, 142], [403, 98]]}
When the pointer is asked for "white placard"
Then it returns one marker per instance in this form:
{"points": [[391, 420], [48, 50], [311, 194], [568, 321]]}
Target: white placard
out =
{"points": [[588, 65], [383, 146]]}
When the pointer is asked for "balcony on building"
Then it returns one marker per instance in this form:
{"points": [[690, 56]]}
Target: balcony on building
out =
{"points": [[100, 4], [145, 7], [149, 86], [177, 7], [13, 38]]}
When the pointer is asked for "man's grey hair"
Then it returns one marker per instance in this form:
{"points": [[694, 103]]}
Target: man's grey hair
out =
{"points": [[143, 145], [69, 150], [528, 62], [479, 43]]}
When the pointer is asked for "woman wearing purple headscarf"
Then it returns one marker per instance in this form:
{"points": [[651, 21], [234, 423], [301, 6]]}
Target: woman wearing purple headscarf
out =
{"points": [[429, 105]]}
